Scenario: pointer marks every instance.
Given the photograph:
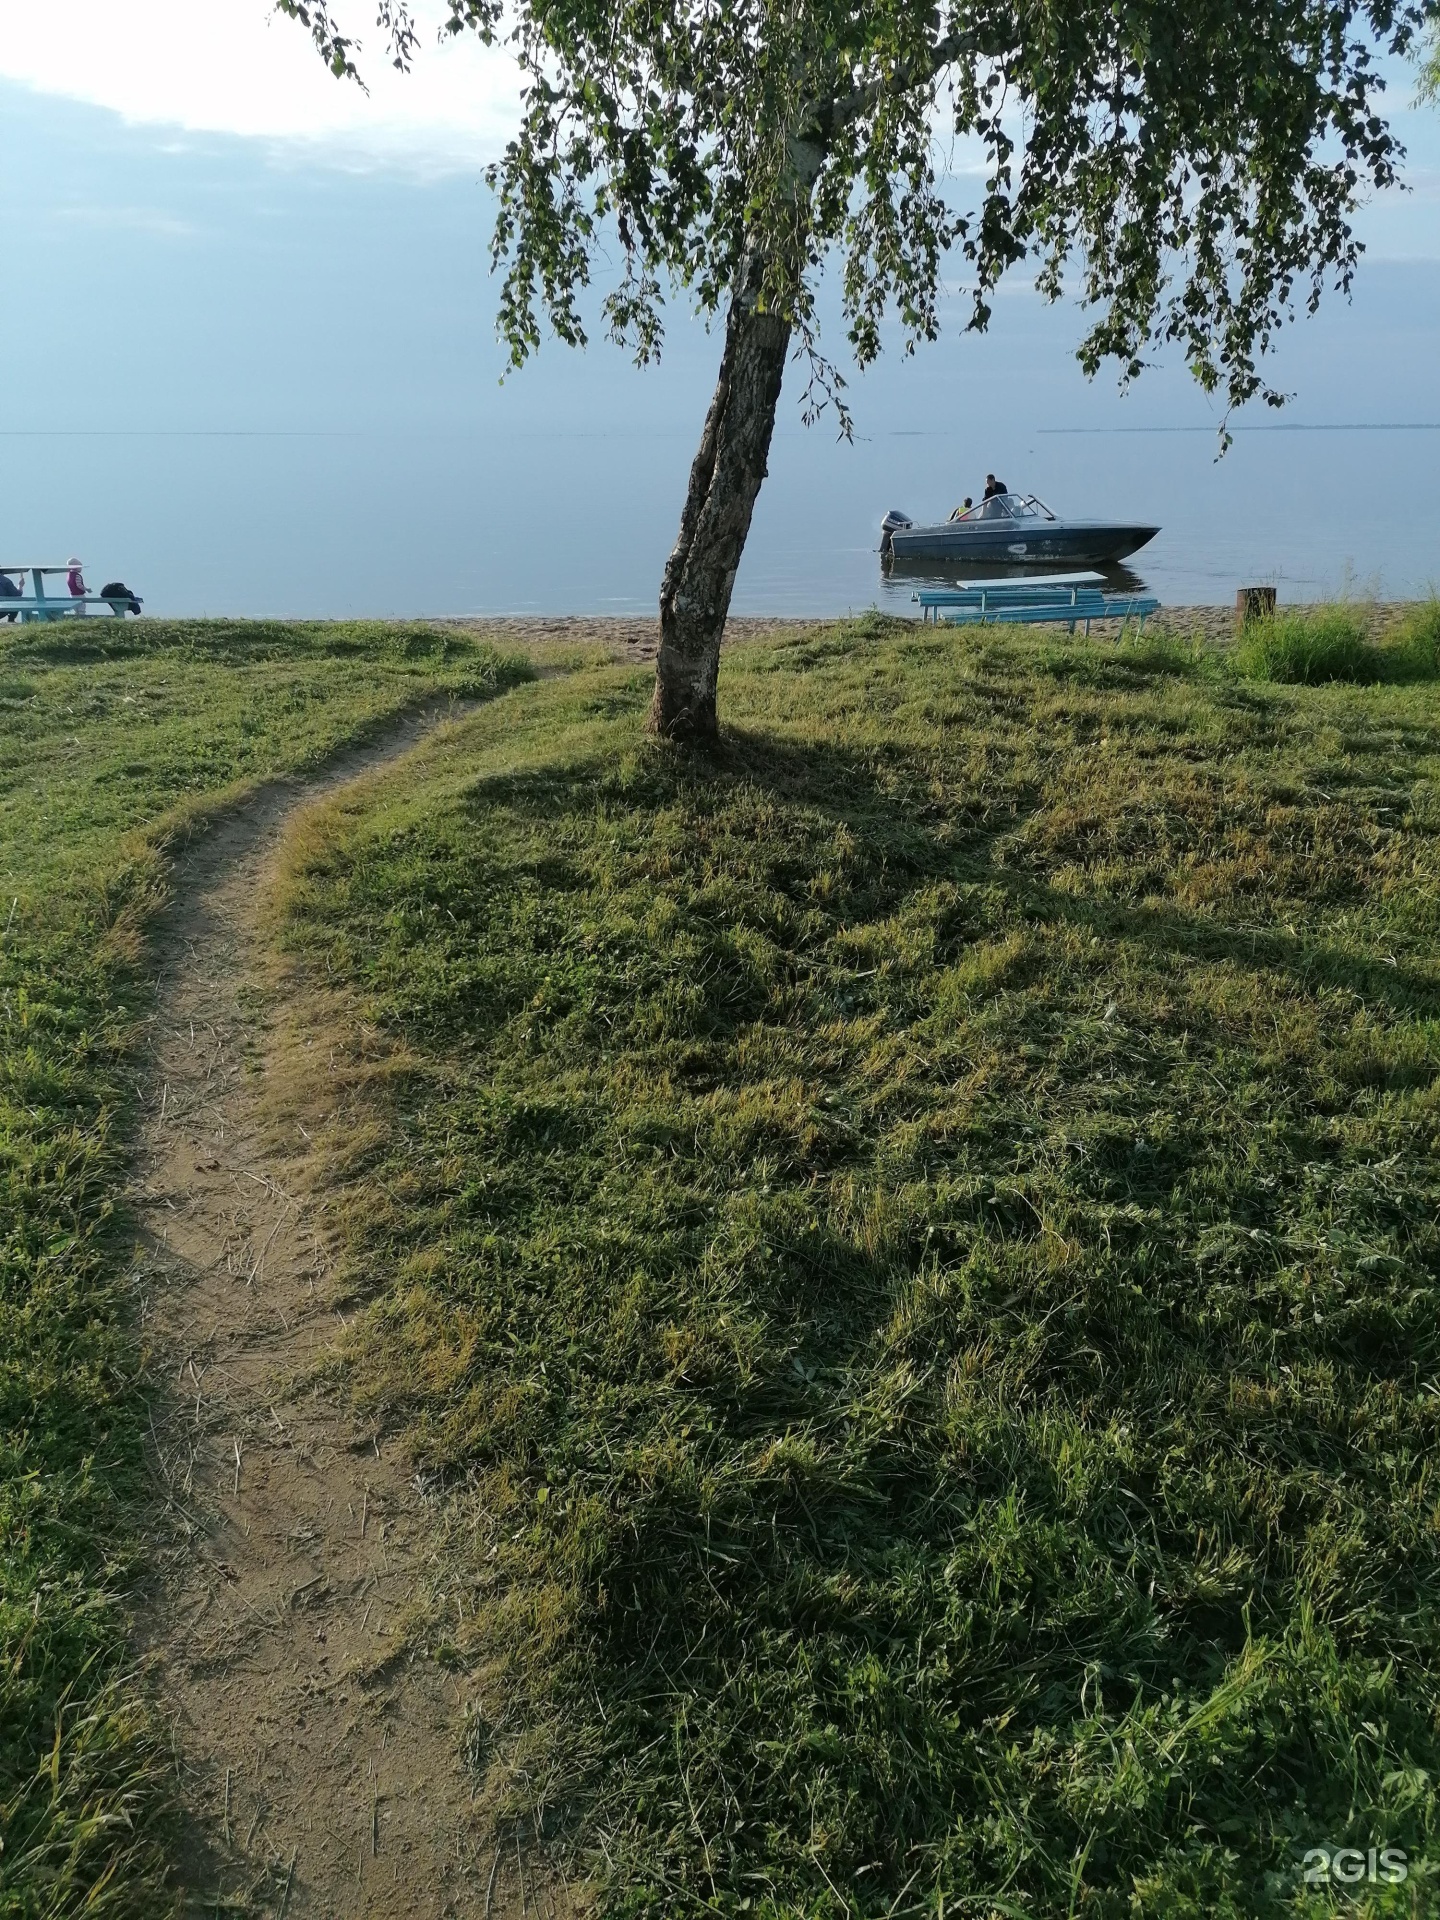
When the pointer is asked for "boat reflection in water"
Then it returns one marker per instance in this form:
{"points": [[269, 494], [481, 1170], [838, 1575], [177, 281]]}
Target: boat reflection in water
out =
{"points": [[913, 574]]}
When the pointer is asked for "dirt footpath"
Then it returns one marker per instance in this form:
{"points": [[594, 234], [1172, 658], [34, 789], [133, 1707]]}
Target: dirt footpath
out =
{"points": [[320, 1762]]}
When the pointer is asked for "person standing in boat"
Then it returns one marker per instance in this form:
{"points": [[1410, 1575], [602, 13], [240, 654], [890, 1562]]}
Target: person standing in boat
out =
{"points": [[994, 486]]}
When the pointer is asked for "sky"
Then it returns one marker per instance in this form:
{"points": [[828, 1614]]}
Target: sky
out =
{"points": [[238, 249], [235, 67]]}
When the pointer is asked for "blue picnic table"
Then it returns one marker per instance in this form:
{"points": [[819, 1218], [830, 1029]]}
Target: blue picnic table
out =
{"points": [[1031, 602], [40, 605]]}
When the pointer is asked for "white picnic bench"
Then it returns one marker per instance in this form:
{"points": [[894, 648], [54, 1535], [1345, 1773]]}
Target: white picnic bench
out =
{"points": [[40, 605]]}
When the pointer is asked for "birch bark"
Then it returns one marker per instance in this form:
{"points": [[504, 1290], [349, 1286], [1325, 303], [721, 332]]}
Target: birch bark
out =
{"points": [[725, 479]]}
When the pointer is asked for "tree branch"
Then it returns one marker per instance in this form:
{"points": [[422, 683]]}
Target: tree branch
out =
{"points": [[835, 114]]}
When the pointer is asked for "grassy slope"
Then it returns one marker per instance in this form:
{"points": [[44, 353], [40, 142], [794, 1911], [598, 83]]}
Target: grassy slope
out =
{"points": [[103, 754], [914, 1245]]}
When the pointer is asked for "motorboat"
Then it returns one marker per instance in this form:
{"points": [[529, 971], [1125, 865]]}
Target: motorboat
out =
{"points": [[1009, 529]]}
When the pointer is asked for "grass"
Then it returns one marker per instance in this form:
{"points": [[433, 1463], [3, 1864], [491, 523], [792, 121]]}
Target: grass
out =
{"points": [[1308, 646], [115, 742], [1417, 641], [908, 1252]]}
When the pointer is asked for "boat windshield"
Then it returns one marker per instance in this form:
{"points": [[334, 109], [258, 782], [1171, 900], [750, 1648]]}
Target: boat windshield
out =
{"points": [[1011, 506]]}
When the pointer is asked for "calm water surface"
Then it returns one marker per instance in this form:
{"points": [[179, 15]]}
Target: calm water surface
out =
{"points": [[290, 403], [397, 523]]}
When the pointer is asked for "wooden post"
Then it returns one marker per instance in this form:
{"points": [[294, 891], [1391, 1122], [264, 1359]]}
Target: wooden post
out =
{"points": [[1254, 603]]}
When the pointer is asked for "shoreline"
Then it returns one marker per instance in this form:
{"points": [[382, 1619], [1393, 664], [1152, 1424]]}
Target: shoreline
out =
{"points": [[635, 638]]}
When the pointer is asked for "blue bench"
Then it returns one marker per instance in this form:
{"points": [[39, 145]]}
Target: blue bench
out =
{"points": [[28, 608], [40, 605], [1030, 603]]}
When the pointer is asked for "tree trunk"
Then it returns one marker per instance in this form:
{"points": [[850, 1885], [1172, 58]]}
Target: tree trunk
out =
{"points": [[724, 481]]}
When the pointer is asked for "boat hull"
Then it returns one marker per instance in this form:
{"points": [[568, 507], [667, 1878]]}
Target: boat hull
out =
{"points": [[1077, 544]]}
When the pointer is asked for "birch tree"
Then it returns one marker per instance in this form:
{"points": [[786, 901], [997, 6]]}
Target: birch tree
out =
{"points": [[1188, 174]]}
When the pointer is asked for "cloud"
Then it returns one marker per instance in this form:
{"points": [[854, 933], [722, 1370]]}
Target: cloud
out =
{"points": [[232, 66]]}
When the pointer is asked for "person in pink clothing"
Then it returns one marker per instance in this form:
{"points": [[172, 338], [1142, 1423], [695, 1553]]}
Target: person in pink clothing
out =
{"points": [[75, 579]]}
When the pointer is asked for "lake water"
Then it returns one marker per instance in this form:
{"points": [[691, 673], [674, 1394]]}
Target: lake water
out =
{"points": [[396, 524], [288, 403]]}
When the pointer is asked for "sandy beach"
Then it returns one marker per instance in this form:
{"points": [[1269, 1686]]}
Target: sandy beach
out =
{"points": [[628, 637]]}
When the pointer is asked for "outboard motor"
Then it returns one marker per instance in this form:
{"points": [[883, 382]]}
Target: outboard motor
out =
{"points": [[889, 526]]}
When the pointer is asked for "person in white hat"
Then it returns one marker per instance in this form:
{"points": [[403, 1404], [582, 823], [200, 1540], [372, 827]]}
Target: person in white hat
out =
{"points": [[75, 579]]}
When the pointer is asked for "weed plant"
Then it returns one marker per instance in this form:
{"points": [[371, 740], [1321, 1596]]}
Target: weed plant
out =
{"points": [[1308, 646], [909, 1249], [115, 741], [1416, 642]]}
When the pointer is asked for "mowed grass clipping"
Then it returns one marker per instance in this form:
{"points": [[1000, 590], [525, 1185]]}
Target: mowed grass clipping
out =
{"points": [[115, 742], [909, 1247]]}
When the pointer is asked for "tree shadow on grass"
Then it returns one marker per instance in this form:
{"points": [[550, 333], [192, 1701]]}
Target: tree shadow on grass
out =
{"points": [[883, 797], [951, 1485], [834, 1295], [886, 795]]}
